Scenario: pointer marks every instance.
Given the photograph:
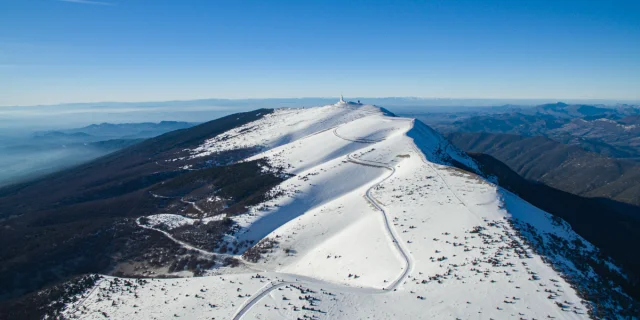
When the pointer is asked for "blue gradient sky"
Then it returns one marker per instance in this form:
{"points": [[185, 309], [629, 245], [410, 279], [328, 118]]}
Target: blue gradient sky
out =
{"points": [[55, 51]]}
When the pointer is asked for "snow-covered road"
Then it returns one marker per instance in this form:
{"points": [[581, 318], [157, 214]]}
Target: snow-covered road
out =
{"points": [[408, 261], [441, 246]]}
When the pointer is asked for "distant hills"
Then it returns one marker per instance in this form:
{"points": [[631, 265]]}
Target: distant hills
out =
{"points": [[91, 208], [47, 151], [611, 131], [565, 167], [587, 150], [105, 131]]}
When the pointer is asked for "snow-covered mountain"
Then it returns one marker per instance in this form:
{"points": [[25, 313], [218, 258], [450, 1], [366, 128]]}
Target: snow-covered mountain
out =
{"points": [[378, 217]]}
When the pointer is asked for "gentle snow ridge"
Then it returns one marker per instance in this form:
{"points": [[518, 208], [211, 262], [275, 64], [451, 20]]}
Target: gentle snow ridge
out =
{"points": [[376, 223]]}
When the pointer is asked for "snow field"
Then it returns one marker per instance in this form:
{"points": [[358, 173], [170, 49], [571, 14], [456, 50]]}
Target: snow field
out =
{"points": [[172, 221], [457, 253], [191, 298], [284, 126]]}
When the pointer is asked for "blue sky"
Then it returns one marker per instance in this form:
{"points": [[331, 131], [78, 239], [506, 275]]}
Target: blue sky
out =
{"points": [[54, 51]]}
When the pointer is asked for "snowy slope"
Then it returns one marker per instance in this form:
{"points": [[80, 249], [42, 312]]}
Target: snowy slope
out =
{"points": [[376, 223]]}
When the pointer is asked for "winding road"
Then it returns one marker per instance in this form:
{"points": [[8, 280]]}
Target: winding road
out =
{"points": [[249, 265], [408, 261], [357, 140], [404, 253], [398, 244], [181, 243]]}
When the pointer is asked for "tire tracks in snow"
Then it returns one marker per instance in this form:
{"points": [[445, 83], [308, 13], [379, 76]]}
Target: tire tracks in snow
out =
{"points": [[357, 140], [273, 285], [408, 261], [257, 297]]}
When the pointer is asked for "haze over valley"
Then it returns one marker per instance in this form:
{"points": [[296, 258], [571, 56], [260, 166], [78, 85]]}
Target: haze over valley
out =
{"points": [[281, 159]]}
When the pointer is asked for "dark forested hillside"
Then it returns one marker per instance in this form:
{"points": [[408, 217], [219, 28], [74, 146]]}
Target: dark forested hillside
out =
{"points": [[82, 220], [565, 167]]}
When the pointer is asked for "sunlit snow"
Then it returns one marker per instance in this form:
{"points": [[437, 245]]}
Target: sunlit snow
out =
{"points": [[376, 224]]}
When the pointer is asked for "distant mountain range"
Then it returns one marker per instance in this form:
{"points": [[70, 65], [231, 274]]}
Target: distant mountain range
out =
{"points": [[611, 131], [565, 167], [47, 151], [105, 131]]}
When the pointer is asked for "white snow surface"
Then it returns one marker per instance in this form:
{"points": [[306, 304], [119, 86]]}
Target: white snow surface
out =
{"points": [[172, 221], [375, 224], [284, 126]]}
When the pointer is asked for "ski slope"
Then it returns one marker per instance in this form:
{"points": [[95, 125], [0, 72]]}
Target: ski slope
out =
{"points": [[375, 224]]}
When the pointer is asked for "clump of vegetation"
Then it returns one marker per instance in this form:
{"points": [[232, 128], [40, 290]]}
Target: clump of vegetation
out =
{"points": [[557, 221], [197, 265], [254, 254], [204, 236], [230, 262]]}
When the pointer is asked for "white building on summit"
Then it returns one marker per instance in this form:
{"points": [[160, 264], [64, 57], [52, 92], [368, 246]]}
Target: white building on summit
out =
{"points": [[342, 102]]}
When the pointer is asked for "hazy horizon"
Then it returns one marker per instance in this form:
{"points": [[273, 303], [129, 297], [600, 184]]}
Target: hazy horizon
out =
{"points": [[68, 115], [67, 51], [484, 101]]}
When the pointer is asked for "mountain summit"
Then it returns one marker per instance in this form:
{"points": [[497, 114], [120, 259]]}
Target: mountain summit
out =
{"points": [[355, 213]]}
